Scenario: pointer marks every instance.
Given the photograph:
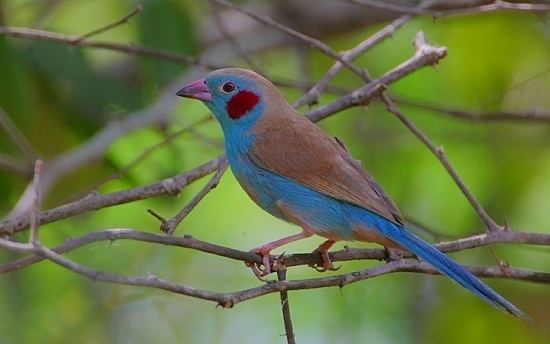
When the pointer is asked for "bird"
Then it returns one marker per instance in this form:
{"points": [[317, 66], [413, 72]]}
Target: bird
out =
{"points": [[295, 171]]}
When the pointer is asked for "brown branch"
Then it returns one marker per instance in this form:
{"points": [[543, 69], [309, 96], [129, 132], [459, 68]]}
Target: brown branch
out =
{"points": [[347, 254], [123, 20], [73, 40], [285, 309], [147, 151], [490, 224], [230, 299], [530, 117], [169, 186], [497, 5], [313, 42], [426, 56], [312, 96], [14, 166], [36, 202], [17, 137], [170, 225], [222, 28]]}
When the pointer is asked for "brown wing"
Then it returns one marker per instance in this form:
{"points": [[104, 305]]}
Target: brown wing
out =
{"points": [[295, 148]]}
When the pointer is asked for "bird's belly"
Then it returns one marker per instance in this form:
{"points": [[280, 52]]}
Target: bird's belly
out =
{"points": [[321, 214]]}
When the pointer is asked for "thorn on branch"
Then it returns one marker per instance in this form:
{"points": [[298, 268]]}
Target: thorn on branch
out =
{"points": [[156, 215], [229, 303], [434, 54]]}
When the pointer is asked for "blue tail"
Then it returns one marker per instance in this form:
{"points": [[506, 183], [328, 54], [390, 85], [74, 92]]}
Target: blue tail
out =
{"points": [[447, 266]]}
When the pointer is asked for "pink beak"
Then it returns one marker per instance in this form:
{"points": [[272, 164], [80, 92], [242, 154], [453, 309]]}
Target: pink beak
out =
{"points": [[195, 90]]}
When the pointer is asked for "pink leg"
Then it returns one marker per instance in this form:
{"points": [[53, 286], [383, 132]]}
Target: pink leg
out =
{"points": [[323, 250], [266, 249]]}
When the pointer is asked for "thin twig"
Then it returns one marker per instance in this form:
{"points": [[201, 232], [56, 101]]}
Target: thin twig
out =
{"points": [[428, 56], [497, 5], [17, 137], [147, 151], [222, 28], [312, 96], [15, 166], [490, 224], [123, 20], [35, 210], [170, 225], [130, 49], [285, 309], [313, 42], [533, 116]]}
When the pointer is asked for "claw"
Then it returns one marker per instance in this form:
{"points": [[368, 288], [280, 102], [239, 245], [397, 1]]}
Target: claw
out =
{"points": [[258, 272], [266, 262], [327, 263], [325, 268]]}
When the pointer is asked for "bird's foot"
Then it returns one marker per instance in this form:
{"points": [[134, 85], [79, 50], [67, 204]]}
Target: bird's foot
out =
{"points": [[327, 262], [257, 269], [393, 254]]}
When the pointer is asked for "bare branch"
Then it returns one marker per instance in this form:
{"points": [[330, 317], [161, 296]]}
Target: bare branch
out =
{"points": [[285, 309], [123, 20], [490, 224], [170, 225], [230, 299], [427, 56], [222, 28], [136, 50], [17, 137], [15, 166], [325, 49], [146, 152], [312, 96], [471, 7], [169, 186], [36, 202], [530, 117], [348, 254]]}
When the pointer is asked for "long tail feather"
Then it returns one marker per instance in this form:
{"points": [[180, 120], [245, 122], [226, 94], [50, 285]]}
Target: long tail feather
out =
{"points": [[447, 266]]}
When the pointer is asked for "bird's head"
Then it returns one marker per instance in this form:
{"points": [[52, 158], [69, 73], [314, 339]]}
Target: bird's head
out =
{"points": [[236, 97]]}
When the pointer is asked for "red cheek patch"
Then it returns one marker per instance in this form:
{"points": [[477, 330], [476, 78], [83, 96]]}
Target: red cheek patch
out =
{"points": [[241, 103]]}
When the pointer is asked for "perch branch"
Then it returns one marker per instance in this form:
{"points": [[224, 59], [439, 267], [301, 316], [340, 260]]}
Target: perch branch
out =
{"points": [[229, 299], [347, 254]]}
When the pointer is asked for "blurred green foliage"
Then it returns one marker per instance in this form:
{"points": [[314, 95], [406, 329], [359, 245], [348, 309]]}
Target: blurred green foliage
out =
{"points": [[59, 96]]}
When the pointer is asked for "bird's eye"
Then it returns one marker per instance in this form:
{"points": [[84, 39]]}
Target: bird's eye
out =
{"points": [[228, 87]]}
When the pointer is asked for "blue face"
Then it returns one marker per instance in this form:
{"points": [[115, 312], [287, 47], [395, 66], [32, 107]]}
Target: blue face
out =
{"points": [[236, 102]]}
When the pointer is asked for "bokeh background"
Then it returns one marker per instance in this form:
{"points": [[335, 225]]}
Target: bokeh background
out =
{"points": [[59, 96]]}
